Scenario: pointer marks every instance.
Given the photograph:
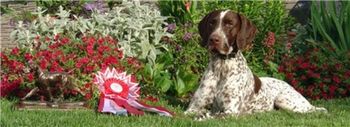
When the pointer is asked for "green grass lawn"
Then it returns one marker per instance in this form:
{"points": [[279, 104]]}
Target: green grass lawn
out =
{"points": [[339, 115]]}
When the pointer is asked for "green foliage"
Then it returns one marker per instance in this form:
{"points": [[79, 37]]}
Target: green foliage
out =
{"points": [[330, 22], [178, 70], [138, 28]]}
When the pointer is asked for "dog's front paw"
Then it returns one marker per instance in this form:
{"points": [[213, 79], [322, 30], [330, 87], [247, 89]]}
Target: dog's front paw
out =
{"points": [[321, 109], [203, 116], [191, 111]]}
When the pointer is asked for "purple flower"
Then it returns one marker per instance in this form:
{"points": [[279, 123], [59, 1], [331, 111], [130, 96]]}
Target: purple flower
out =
{"points": [[97, 5], [171, 27], [187, 36], [89, 6]]}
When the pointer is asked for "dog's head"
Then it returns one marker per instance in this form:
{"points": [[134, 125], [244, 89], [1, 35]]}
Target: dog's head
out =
{"points": [[226, 32]]}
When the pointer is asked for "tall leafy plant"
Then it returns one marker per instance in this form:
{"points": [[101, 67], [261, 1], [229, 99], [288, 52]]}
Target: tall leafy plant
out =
{"points": [[330, 22], [181, 11]]}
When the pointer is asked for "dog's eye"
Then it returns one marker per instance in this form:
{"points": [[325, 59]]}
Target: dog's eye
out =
{"points": [[212, 22]]}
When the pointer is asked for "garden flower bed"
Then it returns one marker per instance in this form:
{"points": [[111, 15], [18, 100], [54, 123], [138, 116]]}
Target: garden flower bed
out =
{"points": [[160, 47]]}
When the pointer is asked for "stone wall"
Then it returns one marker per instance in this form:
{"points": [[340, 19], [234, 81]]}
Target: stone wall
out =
{"points": [[6, 29]]}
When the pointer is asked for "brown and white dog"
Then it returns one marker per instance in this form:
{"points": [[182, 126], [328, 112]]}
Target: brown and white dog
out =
{"points": [[228, 86]]}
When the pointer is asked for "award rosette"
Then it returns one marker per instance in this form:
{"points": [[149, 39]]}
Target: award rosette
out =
{"points": [[119, 95]]}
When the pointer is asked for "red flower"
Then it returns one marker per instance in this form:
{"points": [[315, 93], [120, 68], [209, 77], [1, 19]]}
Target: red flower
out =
{"points": [[91, 41], [289, 75], [347, 74], [188, 5], [336, 79], [281, 68], [100, 41], [338, 66], [312, 74], [43, 64], [110, 60], [56, 37], [65, 41], [47, 39], [294, 82], [74, 92], [120, 54], [30, 77], [87, 85], [3, 57], [304, 65], [89, 68], [88, 96], [15, 51], [37, 37], [28, 56], [332, 89], [303, 77], [90, 50], [54, 66], [270, 40]]}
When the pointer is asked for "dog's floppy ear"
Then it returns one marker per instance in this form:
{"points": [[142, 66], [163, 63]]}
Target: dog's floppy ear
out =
{"points": [[203, 27], [203, 30], [246, 34]]}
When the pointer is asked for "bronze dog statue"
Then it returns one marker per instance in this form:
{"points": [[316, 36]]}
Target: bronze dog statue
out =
{"points": [[48, 80]]}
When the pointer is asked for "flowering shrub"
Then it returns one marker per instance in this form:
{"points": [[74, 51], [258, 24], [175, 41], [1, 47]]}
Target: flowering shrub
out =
{"points": [[139, 28], [80, 57], [317, 74]]}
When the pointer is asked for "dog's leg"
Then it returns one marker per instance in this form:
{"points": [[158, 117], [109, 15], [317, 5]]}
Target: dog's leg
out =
{"points": [[33, 91], [292, 100], [50, 94], [204, 95]]}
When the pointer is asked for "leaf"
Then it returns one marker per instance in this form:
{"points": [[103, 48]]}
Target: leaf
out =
{"points": [[148, 71], [191, 81], [164, 83], [179, 86]]}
